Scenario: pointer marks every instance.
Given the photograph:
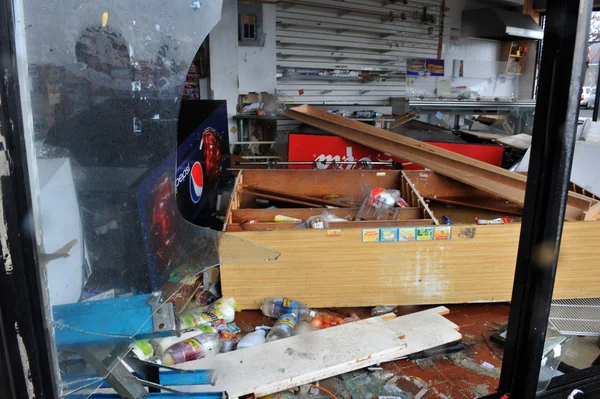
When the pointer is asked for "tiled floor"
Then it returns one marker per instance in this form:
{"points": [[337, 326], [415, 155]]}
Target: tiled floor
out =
{"points": [[472, 373]]}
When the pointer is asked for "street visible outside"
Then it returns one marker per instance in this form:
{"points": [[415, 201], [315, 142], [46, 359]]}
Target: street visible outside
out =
{"points": [[585, 113]]}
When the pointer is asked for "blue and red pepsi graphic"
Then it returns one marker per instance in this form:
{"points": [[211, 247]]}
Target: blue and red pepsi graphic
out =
{"points": [[196, 182], [203, 159]]}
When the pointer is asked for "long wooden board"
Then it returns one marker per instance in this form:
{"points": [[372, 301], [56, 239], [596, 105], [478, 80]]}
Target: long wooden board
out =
{"points": [[479, 174], [325, 271], [279, 193], [291, 362]]}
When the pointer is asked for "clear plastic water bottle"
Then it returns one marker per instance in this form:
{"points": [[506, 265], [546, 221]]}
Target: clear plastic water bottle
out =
{"points": [[191, 349], [283, 328], [302, 328], [276, 307]]}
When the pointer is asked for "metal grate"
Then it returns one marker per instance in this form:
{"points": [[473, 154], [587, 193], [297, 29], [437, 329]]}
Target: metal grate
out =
{"points": [[576, 316]]}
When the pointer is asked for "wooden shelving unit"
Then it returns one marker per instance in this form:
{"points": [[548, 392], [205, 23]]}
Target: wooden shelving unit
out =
{"points": [[515, 55]]}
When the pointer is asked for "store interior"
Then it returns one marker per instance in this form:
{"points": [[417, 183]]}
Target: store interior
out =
{"points": [[305, 199]]}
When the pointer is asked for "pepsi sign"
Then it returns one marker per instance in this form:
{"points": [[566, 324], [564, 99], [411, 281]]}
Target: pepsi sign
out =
{"points": [[196, 182]]}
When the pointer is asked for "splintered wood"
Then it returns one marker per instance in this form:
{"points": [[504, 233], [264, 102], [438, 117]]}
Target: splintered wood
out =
{"points": [[494, 180], [276, 366]]}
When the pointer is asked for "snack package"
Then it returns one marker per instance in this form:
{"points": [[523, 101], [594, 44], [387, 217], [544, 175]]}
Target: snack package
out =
{"points": [[493, 221], [317, 222]]}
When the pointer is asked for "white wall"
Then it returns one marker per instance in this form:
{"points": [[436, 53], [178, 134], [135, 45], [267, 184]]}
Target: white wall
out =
{"points": [[483, 72], [257, 66], [237, 69], [224, 62]]}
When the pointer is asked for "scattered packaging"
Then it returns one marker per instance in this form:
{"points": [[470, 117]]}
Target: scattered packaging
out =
{"points": [[229, 340], [142, 349], [379, 310], [317, 222], [390, 197], [257, 337], [283, 218], [324, 320], [493, 221], [352, 318], [183, 283], [221, 312]]}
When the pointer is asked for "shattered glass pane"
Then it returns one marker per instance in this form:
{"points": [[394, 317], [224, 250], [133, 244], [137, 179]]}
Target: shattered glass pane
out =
{"points": [[101, 92]]}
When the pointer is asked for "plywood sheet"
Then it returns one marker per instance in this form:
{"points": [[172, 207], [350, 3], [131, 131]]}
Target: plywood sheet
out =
{"points": [[288, 363], [476, 265]]}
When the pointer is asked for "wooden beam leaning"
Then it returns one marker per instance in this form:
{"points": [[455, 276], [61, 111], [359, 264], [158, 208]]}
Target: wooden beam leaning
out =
{"points": [[495, 180]]}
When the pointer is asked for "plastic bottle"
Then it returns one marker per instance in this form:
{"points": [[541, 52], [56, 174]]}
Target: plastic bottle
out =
{"points": [[160, 345], [302, 328], [283, 328], [219, 311], [257, 337], [275, 307], [191, 349]]}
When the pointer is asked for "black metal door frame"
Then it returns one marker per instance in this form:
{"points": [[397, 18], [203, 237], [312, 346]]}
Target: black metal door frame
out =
{"points": [[550, 164], [26, 367]]}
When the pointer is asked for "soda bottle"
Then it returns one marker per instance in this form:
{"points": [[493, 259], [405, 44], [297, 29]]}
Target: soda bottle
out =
{"points": [[191, 349], [222, 311], [283, 328], [276, 307], [160, 345]]}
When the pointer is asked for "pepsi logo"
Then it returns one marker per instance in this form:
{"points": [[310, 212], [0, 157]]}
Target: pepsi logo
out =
{"points": [[196, 182], [181, 178]]}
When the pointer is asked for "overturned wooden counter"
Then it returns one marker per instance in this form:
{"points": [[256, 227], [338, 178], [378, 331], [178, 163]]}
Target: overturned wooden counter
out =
{"points": [[413, 260]]}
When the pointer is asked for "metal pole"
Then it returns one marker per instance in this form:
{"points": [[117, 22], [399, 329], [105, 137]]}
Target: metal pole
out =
{"points": [[553, 142], [597, 98]]}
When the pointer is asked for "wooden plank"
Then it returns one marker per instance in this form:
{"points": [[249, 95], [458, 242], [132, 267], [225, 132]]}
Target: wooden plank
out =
{"points": [[402, 119], [314, 183], [479, 174], [303, 359], [280, 193], [279, 198], [494, 204], [344, 271], [268, 215], [593, 213]]}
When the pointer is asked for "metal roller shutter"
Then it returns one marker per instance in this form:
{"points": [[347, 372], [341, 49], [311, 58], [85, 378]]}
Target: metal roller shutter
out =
{"points": [[321, 43]]}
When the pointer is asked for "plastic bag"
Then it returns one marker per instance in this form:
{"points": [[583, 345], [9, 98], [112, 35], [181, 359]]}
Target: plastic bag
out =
{"points": [[382, 196]]}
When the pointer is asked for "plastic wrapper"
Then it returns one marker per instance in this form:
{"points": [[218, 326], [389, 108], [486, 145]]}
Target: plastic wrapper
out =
{"points": [[317, 222]]}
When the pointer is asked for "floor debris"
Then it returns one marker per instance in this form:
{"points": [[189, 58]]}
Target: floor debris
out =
{"points": [[326, 353]]}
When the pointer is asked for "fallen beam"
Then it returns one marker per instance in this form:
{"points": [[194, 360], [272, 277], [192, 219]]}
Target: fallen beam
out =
{"points": [[277, 366], [495, 180]]}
